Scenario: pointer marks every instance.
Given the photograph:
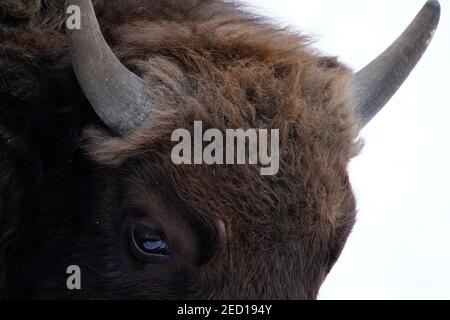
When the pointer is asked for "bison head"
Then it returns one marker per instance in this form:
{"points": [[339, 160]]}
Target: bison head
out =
{"points": [[87, 178]]}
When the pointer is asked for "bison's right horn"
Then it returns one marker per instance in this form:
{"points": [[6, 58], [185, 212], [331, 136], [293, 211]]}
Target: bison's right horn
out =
{"points": [[374, 85], [116, 94]]}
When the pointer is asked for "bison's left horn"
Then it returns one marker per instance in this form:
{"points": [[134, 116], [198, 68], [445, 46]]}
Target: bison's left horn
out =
{"points": [[117, 95], [373, 86]]}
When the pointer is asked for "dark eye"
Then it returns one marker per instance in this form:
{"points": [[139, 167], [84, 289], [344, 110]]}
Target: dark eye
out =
{"points": [[148, 244]]}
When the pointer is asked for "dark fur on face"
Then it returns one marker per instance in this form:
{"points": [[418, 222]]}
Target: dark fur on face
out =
{"points": [[66, 182]]}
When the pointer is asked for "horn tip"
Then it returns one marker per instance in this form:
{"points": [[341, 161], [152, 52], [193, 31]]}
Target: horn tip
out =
{"points": [[433, 9], [434, 6]]}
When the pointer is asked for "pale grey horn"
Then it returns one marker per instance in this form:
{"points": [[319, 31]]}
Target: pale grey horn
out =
{"points": [[116, 94], [373, 86]]}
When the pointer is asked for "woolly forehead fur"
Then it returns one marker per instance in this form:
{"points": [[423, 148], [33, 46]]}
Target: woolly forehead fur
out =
{"points": [[210, 61], [215, 63]]}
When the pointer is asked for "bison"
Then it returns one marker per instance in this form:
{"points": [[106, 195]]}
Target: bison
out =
{"points": [[86, 177]]}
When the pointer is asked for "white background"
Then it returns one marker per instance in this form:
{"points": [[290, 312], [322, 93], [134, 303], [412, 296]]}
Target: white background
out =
{"points": [[400, 246]]}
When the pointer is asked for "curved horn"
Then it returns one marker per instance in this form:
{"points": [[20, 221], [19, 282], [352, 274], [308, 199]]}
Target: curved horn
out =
{"points": [[116, 94], [373, 86]]}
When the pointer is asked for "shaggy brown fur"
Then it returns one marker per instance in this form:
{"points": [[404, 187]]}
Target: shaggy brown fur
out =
{"points": [[202, 60]]}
